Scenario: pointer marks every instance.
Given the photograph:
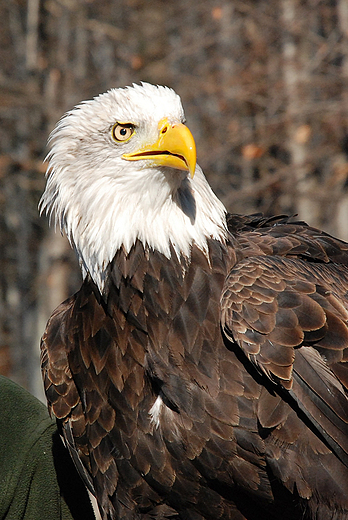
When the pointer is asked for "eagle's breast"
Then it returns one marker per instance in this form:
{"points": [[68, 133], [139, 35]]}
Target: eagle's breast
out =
{"points": [[146, 359], [164, 309]]}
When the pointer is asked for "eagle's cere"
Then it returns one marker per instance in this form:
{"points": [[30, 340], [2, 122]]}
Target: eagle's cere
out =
{"points": [[201, 370]]}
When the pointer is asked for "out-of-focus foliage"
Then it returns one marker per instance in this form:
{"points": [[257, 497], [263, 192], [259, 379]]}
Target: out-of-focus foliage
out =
{"points": [[264, 86]]}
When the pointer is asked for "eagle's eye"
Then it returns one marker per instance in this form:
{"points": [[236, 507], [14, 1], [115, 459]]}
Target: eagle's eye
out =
{"points": [[122, 131]]}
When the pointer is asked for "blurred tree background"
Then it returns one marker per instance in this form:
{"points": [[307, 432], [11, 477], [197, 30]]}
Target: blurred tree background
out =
{"points": [[264, 86]]}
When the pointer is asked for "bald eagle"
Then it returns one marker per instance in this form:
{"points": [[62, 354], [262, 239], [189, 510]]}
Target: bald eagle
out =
{"points": [[200, 372]]}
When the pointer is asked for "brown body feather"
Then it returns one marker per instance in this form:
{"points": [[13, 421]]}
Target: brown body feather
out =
{"points": [[243, 353]]}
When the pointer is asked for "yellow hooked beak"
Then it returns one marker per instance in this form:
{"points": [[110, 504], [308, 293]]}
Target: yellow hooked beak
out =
{"points": [[175, 148]]}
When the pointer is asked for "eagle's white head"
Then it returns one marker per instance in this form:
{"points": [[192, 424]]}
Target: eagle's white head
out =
{"points": [[123, 167]]}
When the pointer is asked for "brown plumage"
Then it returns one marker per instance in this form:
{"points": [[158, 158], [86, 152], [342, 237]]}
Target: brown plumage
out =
{"points": [[210, 387]]}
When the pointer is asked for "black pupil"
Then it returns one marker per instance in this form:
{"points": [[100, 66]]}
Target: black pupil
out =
{"points": [[123, 131]]}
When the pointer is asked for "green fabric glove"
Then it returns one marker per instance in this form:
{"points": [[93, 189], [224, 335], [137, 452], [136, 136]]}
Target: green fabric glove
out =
{"points": [[37, 477]]}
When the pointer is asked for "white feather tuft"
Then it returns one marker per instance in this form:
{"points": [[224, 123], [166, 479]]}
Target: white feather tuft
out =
{"points": [[155, 411]]}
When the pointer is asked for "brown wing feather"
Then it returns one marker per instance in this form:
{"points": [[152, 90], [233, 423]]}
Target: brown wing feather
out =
{"points": [[58, 382], [289, 315], [63, 398], [284, 236]]}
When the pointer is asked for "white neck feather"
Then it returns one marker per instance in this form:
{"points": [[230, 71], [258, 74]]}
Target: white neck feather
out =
{"points": [[160, 210]]}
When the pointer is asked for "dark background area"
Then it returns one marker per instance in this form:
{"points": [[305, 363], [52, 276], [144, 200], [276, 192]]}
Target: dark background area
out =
{"points": [[264, 87]]}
